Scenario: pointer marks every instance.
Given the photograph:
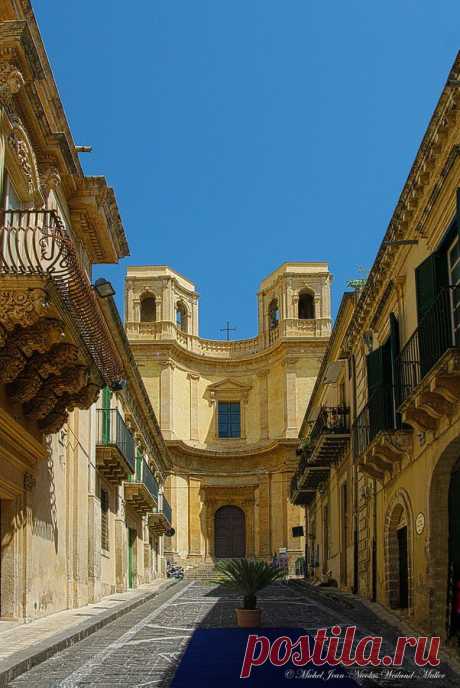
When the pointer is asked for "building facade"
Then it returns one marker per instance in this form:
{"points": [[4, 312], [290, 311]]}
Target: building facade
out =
{"points": [[230, 411], [398, 349], [82, 460]]}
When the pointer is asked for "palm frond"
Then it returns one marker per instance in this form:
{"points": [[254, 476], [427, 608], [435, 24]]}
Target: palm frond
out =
{"points": [[246, 575]]}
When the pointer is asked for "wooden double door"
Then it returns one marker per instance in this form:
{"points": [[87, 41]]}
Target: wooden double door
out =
{"points": [[229, 533]]}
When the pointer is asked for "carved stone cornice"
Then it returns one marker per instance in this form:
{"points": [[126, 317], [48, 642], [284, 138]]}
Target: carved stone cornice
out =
{"points": [[433, 162]]}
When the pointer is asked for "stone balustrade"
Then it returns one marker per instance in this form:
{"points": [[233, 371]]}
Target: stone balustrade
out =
{"points": [[221, 348]]}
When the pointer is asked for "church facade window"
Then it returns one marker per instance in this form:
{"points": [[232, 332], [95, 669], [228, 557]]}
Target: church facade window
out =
{"points": [[181, 317], [148, 309], [229, 419], [273, 314], [306, 306]]}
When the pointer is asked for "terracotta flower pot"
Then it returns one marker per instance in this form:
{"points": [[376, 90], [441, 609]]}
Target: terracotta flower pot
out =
{"points": [[248, 618]]}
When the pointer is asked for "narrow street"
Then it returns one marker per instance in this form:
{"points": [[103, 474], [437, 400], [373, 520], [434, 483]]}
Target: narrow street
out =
{"points": [[144, 647]]}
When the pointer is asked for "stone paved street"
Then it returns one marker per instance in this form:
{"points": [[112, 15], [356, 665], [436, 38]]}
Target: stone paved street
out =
{"points": [[143, 647]]}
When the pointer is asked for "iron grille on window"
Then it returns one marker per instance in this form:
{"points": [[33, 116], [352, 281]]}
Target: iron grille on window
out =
{"points": [[229, 419], [104, 519]]}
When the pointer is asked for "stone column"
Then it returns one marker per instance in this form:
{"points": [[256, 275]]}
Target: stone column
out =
{"points": [[194, 379], [249, 512], [263, 399], [194, 522], [265, 547], [290, 397], [166, 398], [94, 519]]}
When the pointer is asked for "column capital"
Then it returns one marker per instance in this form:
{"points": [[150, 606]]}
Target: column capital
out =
{"points": [[169, 363]]}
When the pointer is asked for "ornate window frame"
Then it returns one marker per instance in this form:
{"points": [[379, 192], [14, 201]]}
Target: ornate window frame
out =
{"points": [[228, 390]]}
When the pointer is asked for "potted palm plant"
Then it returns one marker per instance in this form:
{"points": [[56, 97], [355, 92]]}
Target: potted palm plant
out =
{"points": [[247, 577]]}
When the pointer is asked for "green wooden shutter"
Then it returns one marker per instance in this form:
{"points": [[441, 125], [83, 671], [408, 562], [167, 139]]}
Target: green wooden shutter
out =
{"points": [[106, 397]]}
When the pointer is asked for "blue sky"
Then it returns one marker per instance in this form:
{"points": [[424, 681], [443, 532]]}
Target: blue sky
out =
{"points": [[239, 134]]}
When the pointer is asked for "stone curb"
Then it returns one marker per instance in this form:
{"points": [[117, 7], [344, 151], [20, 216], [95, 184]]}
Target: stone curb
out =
{"points": [[24, 660]]}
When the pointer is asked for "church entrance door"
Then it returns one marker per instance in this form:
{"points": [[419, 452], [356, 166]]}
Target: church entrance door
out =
{"points": [[230, 533]]}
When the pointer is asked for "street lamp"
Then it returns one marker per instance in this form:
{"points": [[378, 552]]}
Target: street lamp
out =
{"points": [[103, 288]]}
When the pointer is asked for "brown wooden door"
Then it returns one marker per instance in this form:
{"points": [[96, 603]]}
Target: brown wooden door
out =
{"points": [[230, 532]]}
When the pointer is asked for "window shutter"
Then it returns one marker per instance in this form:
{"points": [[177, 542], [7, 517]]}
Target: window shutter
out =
{"points": [[430, 277], [394, 353], [374, 362]]}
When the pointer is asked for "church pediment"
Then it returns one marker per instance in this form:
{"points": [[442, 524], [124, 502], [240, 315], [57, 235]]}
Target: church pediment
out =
{"points": [[228, 390]]}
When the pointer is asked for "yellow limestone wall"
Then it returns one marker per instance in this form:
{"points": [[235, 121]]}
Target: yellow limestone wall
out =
{"points": [[186, 377]]}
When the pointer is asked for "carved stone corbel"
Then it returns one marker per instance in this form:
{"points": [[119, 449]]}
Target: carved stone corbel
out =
{"points": [[11, 82], [29, 482]]}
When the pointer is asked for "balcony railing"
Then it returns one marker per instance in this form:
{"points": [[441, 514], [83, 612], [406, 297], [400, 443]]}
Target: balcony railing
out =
{"points": [[164, 507], [36, 243], [377, 415], [113, 432], [220, 348], [145, 476], [330, 420], [432, 338]]}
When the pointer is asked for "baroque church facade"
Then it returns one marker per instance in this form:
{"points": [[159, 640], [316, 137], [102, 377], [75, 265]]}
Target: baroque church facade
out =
{"points": [[230, 411]]}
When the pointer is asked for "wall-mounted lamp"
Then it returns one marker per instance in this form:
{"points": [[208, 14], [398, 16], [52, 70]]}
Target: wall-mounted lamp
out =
{"points": [[118, 385], [103, 288]]}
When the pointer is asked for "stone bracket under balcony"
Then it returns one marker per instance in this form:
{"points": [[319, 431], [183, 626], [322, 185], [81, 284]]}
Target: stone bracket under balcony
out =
{"points": [[384, 452], [111, 464], [436, 396], [158, 523], [41, 360], [138, 497], [308, 483], [330, 447]]}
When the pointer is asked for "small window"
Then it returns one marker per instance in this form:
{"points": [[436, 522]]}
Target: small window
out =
{"points": [[306, 306], [229, 419], [148, 309], [104, 519], [273, 314], [181, 317]]}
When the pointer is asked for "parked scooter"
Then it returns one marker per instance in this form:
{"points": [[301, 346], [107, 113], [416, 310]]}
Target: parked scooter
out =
{"points": [[174, 571]]}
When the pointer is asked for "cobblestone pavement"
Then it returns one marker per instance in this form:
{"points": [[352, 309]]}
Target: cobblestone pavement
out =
{"points": [[142, 648]]}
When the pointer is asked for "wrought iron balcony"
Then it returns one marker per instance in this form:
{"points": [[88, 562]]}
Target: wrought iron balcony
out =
{"points": [[432, 338], [377, 415], [141, 490], [330, 434], [328, 437], [379, 441], [429, 365], [55, 347], [160, 520], [115, 447], [305, 484], [36, 243]]}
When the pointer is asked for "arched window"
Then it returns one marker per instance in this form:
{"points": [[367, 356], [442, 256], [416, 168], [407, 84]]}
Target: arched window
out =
{"points": [[181, 316], [306, 306], [273, 314], [148, 309]]}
